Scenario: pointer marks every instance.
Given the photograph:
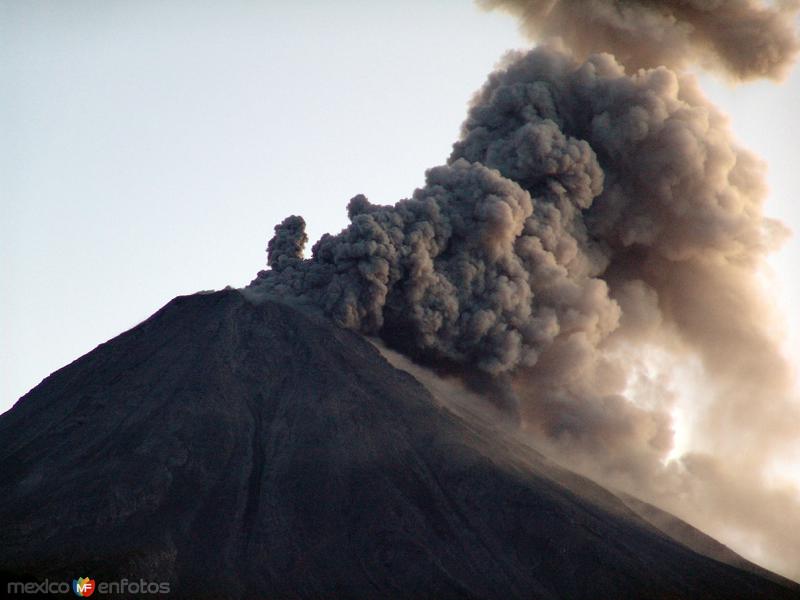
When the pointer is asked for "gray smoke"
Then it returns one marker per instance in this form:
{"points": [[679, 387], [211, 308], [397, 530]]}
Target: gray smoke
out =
{"points": [[575, 190], [455, 272], [589, 223], [745, 39], [286, 247]]}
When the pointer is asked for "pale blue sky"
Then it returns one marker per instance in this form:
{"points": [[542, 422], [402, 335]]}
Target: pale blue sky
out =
{"points": [[149, 147]]}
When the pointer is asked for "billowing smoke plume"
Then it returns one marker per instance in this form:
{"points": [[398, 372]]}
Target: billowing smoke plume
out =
{"points": [[575, 190], [744, 38], [593, 230]]}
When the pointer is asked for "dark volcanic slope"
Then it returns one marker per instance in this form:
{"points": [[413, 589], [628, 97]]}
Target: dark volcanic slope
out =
{"points": [[254, 451]]}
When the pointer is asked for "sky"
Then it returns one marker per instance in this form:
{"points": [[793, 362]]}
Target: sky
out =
{"points": [[150, 147]]}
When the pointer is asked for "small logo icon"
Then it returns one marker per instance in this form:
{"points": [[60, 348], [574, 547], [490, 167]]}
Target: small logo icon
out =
{"points": [[83, 586]]}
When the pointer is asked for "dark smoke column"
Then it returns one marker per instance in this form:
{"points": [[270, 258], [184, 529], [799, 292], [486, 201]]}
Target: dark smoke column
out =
{"points": [[286, 247]]}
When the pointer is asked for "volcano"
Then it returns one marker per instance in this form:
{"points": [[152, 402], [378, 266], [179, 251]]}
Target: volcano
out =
{"points": [[252, 449]]}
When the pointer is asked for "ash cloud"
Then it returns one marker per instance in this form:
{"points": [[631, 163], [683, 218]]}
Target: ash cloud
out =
{"points": [[745, 39], [574, 191], [589, 218]]}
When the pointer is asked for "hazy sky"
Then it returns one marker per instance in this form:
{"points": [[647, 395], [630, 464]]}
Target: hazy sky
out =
{"points": [[148, 148]]}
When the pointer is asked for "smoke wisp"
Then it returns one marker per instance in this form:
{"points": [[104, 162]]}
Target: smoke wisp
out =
{"points": [[591, 218]]}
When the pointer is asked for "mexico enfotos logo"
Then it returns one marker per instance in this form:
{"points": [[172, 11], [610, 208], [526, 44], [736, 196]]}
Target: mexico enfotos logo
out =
{"points": [[85, 587]]}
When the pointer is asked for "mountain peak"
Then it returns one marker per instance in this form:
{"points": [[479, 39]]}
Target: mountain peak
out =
{"points": [[241, 449]]}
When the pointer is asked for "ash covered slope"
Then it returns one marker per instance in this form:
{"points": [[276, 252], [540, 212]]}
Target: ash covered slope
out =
{"points": [[256, 451]]}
